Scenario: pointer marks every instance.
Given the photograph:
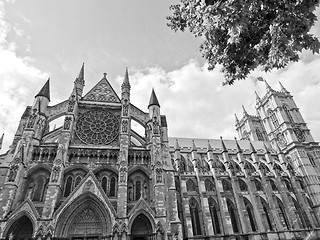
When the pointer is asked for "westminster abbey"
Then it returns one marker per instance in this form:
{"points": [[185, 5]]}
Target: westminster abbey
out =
{"points": [[95, 178]]}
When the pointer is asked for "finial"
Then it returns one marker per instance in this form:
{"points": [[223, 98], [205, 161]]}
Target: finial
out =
{"points": [[268, 86], [237, 120], [238, 146], [209, 148], [104, 75], [177, 147], [283, 89], [81, 73], [244, 111], [194, 148], [252, 149], [224, 149]]}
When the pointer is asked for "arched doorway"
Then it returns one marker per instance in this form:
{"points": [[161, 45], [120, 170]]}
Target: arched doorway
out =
{"points": [[86, 223], [85, 218], [141, 228], [21, 229]]}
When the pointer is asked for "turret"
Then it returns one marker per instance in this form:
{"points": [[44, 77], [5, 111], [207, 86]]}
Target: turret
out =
{"points": [[42, 99], [154, 112]]}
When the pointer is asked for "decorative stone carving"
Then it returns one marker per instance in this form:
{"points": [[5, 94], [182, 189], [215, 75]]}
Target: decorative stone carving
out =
{"points": [[55, 174], [299, 133], [123, 172], [125, 108], [32, 118], [67, 123], [281, 140], [125, 126], [97, 127], [71, 103], [155, 125], [102, 93], [13, 173]]}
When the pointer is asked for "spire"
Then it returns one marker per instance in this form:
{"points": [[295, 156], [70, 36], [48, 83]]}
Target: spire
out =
{"points": [[252, 149], [45, 90], [283, 89], [224, 149], [209, 148], [238, 146], [81, 73], [177, 147], [1, 141], [153, 99], [244, 111], [126, 82]]}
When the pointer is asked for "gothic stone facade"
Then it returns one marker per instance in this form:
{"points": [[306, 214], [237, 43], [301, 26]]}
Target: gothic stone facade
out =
{"points": [[96, 178]]}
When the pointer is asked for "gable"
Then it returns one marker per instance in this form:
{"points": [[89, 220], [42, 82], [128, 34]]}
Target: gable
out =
{"points": [[102, 92]]}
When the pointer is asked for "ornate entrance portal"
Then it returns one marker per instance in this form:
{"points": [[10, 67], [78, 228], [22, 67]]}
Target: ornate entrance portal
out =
{"points": [[86, 223], [141, 228]]}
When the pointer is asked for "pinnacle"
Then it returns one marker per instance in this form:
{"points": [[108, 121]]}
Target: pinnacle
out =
{"points": [[194, 148], [238, 146], [224, 149], [244, 111], [81, 73], [209, 148], [283, 89], [45, 90], [177, 147], [126, 82], [268, 86], [253, 150], [153, 99]]}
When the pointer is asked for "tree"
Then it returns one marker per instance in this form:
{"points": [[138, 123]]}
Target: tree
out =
{"points": [[242, 35]]}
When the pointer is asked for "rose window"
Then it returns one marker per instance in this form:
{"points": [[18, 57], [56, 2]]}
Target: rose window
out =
{"points": [[97, 127]]}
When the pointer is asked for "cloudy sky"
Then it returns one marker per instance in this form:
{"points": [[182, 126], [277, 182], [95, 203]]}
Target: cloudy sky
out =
{"points": [[41, 39]]}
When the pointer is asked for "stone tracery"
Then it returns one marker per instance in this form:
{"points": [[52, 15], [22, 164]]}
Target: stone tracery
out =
{"points": [[97, 127]]}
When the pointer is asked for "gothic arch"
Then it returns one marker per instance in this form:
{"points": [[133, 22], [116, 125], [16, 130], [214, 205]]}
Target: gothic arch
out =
{"points": [[146, 214], [22, 219], [75, 167], [71, 215], [137, 168], [39, 167]]}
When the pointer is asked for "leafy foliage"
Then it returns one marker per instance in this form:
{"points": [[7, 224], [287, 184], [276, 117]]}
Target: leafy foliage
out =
{"points": [[244, 34]]}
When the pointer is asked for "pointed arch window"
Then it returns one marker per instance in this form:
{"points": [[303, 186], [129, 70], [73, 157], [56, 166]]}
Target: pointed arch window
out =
{"points": [[226, 185], [232, 212], [112, 192], [258, 185], [68, 187], [39, 187], [191, 186], [243, 186], [288, 114], [209, 185], [282, 214], [259, 134], [249, 210], [77, 181], [104, 182], [273, 117], [266, 212], [214, 216], [138, 190], [195, 219]]}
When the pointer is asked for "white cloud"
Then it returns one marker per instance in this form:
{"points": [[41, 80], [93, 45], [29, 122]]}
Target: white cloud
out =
{"points": [[19, 82], [198, 106]]}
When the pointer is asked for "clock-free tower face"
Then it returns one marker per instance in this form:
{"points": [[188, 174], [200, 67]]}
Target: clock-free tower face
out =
{"points": [[99, 127]]}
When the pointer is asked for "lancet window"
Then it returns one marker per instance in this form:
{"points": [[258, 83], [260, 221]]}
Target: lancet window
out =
{"points": [[214, 215], [195, 218], [273, 117], [233, 216], [138, 186], [287, 111]]}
